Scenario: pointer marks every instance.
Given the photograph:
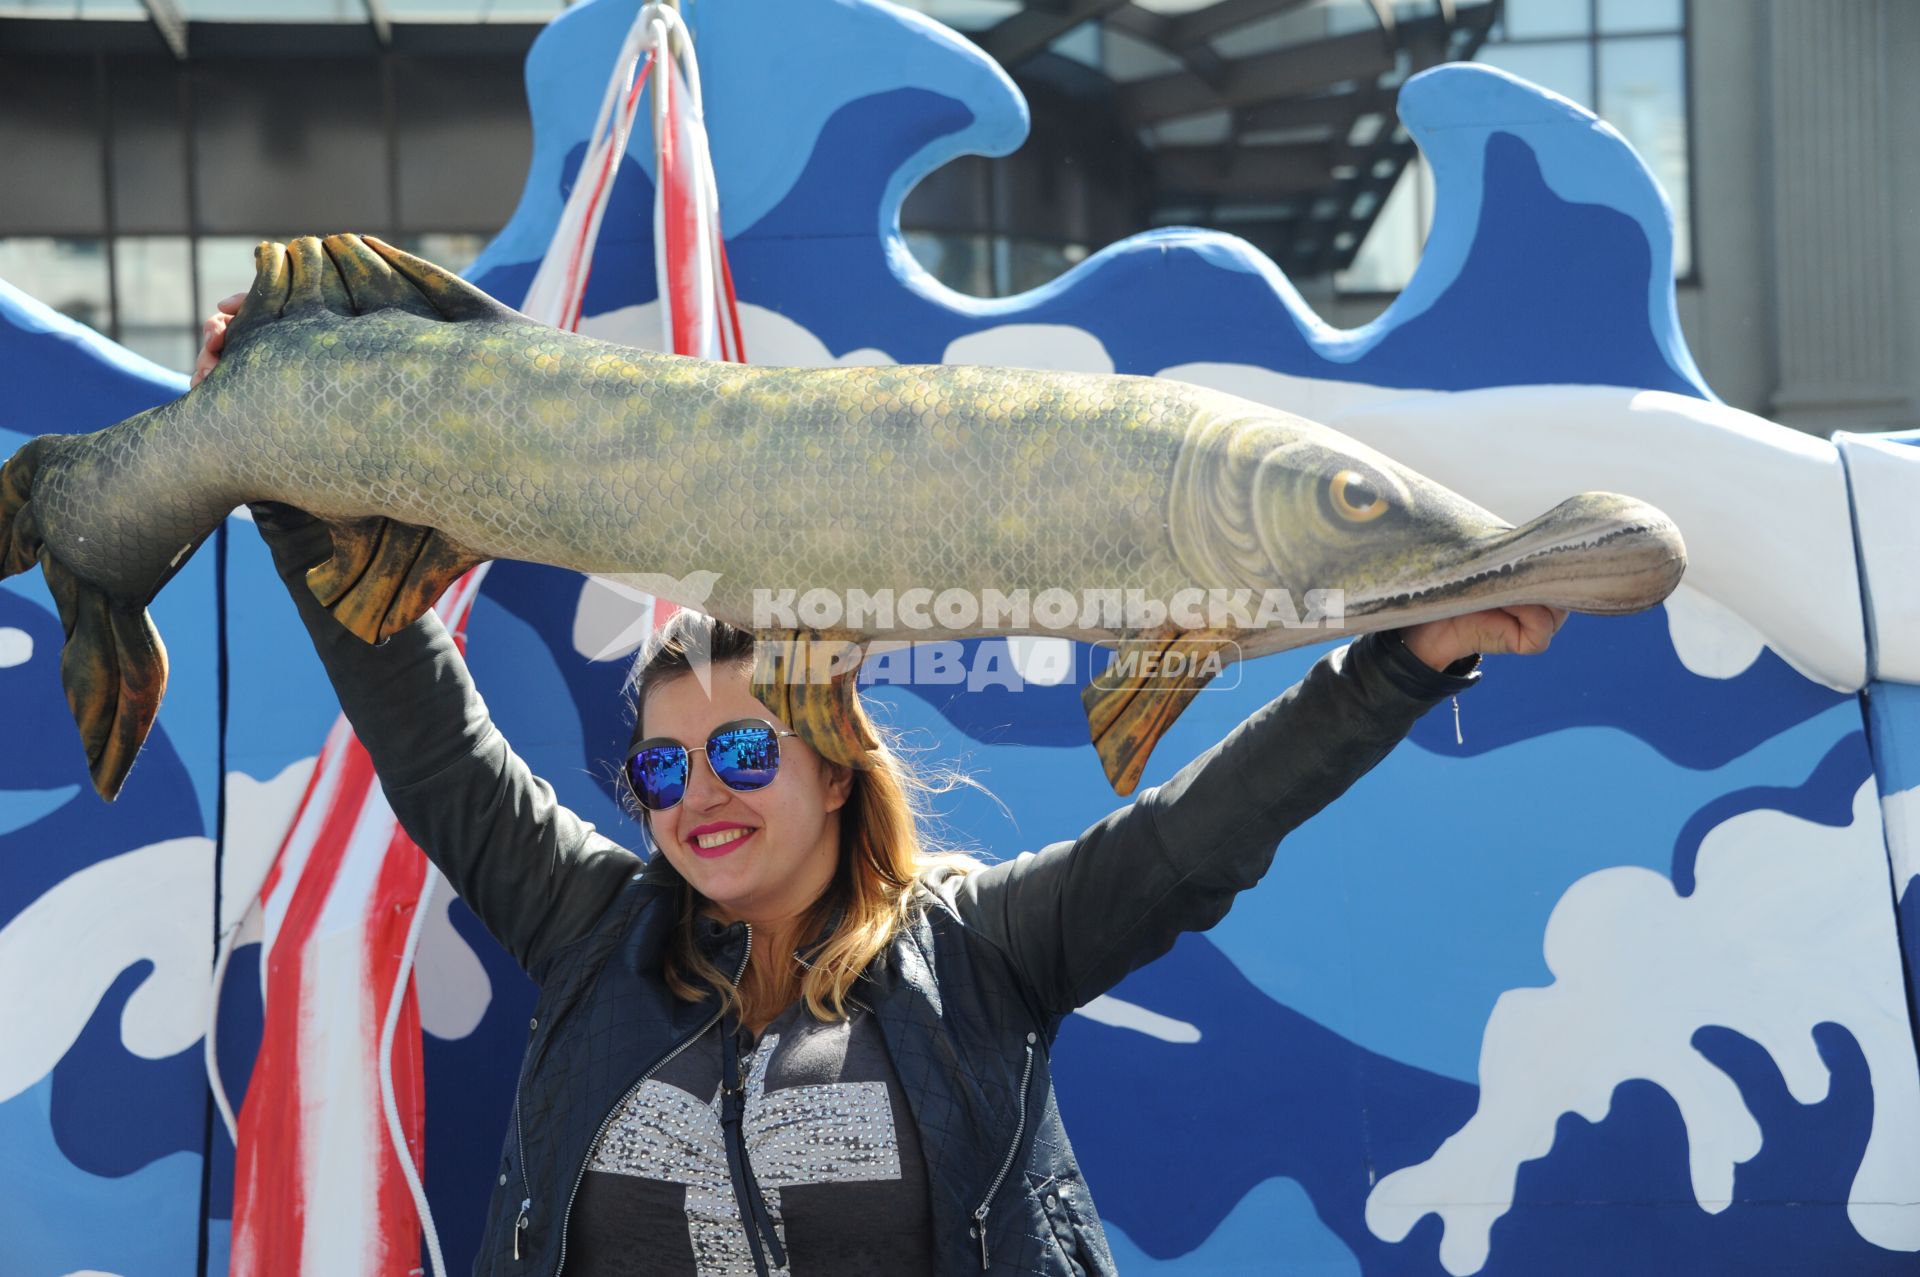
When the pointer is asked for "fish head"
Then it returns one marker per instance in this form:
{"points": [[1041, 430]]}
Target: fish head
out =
{"points": [[1602, 553], [1374, 544]]}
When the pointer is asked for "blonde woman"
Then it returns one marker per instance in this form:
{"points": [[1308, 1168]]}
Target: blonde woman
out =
{"points": [[795, 1040]]}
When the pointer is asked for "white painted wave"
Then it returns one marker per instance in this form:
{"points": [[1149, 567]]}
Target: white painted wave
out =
{"points": [[1120, 1014], [1787, 928], [60, 954]]}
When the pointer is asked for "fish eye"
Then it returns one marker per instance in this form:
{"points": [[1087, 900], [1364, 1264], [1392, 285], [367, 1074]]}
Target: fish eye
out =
{"points": [[1356, 499]]}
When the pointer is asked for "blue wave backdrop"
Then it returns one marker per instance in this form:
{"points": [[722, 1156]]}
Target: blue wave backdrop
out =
{"points": [[1334, 1029]]}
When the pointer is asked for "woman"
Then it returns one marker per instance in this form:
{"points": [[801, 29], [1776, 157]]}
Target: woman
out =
{"points": [[795, 1041]]}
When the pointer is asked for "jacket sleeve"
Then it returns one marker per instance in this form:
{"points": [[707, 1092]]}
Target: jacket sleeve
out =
{"points": [[534, 873], [1076, 917]]}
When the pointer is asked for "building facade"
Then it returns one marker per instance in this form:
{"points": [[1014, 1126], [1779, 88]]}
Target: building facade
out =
{"points": [[144, 159]]}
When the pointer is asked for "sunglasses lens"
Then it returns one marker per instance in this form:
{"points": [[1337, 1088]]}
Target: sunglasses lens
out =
{"points": [[744, 758], [659, 776]]}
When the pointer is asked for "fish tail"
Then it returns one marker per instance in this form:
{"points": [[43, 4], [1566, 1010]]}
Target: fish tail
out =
{"points": [[113, 664]]}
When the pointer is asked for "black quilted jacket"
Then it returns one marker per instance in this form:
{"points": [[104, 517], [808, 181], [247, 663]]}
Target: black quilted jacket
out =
{"points": [[968, 999]]}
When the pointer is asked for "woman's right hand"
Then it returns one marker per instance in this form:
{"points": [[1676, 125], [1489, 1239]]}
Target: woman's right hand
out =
{"points": [[213, 336]]}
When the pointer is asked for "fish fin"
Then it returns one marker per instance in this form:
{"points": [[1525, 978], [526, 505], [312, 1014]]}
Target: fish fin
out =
{"points": [[810, 682], [384, 574], [371, 281], [265, 299], [1128, 710], [452, 296], [314, 285], [114, 668], [353, 275], [19, 532]]}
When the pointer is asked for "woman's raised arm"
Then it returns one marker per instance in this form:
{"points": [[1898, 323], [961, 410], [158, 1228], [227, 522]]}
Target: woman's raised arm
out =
{"points": [[535, 874], [1076, 917]]}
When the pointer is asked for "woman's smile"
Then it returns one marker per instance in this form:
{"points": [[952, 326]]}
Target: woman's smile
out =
{"points": [[718, 838]]}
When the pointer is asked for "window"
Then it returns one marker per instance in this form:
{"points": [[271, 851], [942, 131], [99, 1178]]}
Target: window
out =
{"points": [[1626, 60]]}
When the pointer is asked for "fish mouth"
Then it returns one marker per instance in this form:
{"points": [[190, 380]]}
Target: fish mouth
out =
{"points": [[1599, 552]]}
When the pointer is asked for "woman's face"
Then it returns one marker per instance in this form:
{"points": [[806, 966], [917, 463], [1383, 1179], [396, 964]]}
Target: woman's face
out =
{"points": [[770, 853]]}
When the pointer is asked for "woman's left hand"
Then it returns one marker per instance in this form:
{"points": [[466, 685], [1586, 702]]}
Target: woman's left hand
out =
{"points": [[1523, 630]]}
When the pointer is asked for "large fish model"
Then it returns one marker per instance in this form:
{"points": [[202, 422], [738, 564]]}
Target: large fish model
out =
{"points": [[434, 428]]}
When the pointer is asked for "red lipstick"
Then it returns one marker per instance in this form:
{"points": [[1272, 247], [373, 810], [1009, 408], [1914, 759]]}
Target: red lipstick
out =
{"points": [[742, 832]]}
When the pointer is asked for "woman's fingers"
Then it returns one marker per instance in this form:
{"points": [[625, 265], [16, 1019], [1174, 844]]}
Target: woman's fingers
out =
{"points": [[1523, 629], [213, 336], [1534, 627]]}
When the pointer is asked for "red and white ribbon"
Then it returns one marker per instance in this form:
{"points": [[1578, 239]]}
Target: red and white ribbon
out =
{"points": [[329, 1141], [699, 314]]}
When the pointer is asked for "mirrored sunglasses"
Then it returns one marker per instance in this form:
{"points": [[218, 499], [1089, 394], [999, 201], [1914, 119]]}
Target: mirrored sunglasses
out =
{"points": [[744, 755]]}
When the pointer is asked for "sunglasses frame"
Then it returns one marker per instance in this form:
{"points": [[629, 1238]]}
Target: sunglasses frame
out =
{"points": [[633, 751]]}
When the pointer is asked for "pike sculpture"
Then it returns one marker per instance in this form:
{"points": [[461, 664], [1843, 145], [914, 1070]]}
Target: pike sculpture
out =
{"points": [[433, 428]]}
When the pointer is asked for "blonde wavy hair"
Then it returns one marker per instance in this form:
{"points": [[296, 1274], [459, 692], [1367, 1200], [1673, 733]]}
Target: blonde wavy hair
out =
{"points": [[884, 850]]}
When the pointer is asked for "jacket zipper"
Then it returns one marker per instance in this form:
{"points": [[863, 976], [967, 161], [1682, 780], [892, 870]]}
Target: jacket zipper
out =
{"points": [[1019, 1133], [520, 1147], [580, 1175]]}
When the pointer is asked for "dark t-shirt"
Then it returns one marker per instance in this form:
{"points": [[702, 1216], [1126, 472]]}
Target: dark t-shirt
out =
{"points": [[831, 1140]]}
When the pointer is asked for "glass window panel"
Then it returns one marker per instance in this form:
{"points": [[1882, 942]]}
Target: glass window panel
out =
{"points": [[473, 10], [92, 10], [1318, 20], [1643, 94], [275, 10], [963, 263], [524, 11], [50, 142], [1347, 16], [1205, 129], [462, 137], [175, 348], [1392, 247], [1534, 19], [1033, 262], [153, 282], [1082, 44], [1640, 15], [1566, 68], [1467, 13], [1130, 58], [1173, 8], [1228, 214], [69, 275], [226, 267], [149, 150], [966, 15], [294, 143]]}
